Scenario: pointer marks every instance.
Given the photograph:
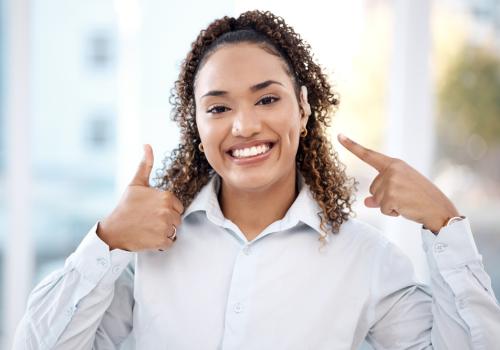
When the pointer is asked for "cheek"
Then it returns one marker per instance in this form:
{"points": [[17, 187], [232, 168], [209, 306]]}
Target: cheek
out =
{"points": [[212, 136], [206, 132], [291, 132], [294, 138]]}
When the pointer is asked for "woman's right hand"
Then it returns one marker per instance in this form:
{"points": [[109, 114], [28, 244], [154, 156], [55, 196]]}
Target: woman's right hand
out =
{"points": [[145, 217]]}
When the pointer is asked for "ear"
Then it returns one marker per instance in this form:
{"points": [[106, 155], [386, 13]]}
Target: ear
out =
{"points": [[304, 105]]}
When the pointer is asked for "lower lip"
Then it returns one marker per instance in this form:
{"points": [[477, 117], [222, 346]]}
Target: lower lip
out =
{"points": [[252, 160]]}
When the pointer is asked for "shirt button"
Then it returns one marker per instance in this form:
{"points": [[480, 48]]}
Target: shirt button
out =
{"points": [[440, 247], [461, 304], [102, 262], [116, 269], [247, 250], [238, 308], [69, 311]]}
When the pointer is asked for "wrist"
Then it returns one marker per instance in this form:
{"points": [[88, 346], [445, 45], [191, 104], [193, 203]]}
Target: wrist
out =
{"points": [[103, 231], [437, 223]]}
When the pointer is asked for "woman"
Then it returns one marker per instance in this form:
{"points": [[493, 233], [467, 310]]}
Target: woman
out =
{"points": [[241, 267]]}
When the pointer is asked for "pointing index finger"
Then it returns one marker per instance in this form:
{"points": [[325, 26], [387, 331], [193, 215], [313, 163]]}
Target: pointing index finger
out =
{"points": [[377, 160]]}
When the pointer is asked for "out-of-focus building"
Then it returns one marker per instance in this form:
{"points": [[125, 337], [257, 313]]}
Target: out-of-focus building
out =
{"points": [[486, 19], [71, 129], [73, 126]]}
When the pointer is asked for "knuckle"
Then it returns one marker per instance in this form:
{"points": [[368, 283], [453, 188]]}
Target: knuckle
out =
{"points": [[170, 198], [166, 195], [165, 241], [385, 210], [163, 212], [372, 188], [391, 183], [177, 220], [391, 173], [389, 196], [397, 164], [363, 152], [169, 241], [392, 192], [181, 206], [143, 164], [163, 228], [390, 170], [176, 201]]}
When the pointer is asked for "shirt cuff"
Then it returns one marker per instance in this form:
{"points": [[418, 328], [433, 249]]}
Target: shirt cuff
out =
{"points": [[96, 263], [454, 246]]}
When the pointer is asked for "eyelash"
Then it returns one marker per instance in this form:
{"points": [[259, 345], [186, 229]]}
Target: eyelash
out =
{"points": [[276, 99], [213, 109]]}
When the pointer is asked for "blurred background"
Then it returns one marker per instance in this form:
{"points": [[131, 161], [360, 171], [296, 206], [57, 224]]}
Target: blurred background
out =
{"points": [[83, 84]]}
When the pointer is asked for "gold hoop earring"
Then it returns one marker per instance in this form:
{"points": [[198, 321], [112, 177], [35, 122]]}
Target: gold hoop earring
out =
{"points": [[303, 132], [200, 147]]}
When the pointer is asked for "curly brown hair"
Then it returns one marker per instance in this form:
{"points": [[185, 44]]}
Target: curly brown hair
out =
{"points": [[187, 170]]}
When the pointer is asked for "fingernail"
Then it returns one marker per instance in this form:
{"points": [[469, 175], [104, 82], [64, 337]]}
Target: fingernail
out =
{"points": [[342, 137]]}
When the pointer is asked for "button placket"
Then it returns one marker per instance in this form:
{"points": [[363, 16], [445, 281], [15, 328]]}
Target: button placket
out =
{"points": [[238, 308], [239, 298], [102, 262], [440, 247], [70, 311], [247, 250]]}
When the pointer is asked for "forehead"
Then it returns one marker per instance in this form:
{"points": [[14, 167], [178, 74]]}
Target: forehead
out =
{"points": [[238, 66]]}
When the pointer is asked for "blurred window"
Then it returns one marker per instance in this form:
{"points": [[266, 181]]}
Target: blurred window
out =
{"points": [[100, 50], [100, 131]]}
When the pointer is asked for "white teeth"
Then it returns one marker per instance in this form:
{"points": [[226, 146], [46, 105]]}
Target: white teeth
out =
{"points": [[250, 151]]}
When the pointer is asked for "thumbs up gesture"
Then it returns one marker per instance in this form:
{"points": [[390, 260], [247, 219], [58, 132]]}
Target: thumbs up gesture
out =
{"points": [[145, 218], [399, 189]]}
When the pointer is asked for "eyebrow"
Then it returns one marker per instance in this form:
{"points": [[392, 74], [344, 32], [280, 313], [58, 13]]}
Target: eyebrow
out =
{"points": [[253, 88]]}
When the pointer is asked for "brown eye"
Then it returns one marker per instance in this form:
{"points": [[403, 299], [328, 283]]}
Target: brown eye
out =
{"points": [[217, 109], [267, 100]]}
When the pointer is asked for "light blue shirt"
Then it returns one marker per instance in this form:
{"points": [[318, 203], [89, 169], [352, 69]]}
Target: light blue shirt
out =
{"points": [[283, 290]]}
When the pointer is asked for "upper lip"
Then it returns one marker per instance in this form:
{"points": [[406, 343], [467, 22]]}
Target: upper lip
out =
{"points": [[249, 144]]}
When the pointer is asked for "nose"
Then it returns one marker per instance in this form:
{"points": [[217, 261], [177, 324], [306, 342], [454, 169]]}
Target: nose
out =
{"points": [[246, 124]]}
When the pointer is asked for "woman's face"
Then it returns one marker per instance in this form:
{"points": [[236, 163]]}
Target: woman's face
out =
{"points": [[248, 116]]}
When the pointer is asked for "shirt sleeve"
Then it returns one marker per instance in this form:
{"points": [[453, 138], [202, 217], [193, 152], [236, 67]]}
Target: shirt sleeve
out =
{"points": [[464, 307], [88, 303], [400, 312], [458, 311]]}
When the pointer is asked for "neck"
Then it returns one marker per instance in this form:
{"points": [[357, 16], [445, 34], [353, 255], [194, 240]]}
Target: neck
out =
{"points": [[253, 211]]}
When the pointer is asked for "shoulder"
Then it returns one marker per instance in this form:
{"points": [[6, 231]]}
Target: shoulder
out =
{"points": [[364, 239], [355, 230], [370, 245]]}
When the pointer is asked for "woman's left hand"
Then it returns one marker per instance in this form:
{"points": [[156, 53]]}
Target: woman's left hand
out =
{"points": [[399, 189]]}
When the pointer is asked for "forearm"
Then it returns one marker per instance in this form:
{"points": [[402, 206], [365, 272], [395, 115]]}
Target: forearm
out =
{"points": [[65, 309]]}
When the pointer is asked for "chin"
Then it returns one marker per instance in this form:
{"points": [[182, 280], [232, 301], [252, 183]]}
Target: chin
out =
{"points": [[253, 181]]}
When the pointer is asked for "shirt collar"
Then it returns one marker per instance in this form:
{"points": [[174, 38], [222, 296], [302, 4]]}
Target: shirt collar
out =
{"points": [[304, 209]]}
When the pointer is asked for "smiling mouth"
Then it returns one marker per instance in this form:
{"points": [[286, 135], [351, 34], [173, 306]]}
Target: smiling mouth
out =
{"points": [[249, 152]]}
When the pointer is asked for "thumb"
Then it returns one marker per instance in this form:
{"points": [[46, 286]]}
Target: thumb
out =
{"points": [[141, 177]]}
